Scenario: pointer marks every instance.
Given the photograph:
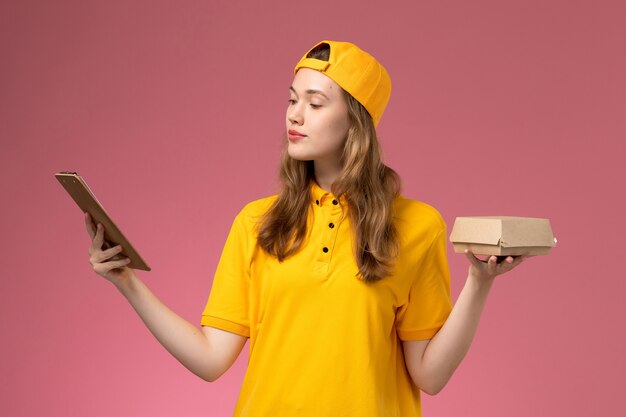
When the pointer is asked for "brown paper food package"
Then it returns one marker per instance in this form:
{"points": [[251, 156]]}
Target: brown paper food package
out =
{"points": [[502, 235]]}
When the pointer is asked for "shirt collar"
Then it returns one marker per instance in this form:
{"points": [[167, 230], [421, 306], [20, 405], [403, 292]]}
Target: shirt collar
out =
{"points": [[321, 196]]}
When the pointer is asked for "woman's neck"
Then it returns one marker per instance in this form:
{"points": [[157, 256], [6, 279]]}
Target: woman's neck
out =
{"points": [[326, 173]]}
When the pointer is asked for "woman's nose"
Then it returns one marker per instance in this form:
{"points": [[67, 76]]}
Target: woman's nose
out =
{"points": [[294, 114]]}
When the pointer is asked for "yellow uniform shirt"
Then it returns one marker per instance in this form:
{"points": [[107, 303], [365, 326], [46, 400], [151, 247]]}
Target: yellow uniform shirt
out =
{"points": [[322, 342]]}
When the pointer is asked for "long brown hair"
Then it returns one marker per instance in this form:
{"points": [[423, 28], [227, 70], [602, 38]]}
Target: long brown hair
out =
{"points": [[368, 185]]}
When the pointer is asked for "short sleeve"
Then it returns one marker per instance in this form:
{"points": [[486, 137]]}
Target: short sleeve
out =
{"points": [[429, 302], [228, 305]]}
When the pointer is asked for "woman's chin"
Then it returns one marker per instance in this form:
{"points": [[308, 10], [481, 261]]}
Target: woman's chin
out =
{"points": [[298, 156]]}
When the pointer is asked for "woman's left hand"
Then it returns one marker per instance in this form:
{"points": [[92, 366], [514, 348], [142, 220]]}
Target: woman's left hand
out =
{"points": [[488, 269]]}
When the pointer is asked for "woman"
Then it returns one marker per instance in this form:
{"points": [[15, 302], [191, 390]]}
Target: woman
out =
{"points": [[340, 283]]}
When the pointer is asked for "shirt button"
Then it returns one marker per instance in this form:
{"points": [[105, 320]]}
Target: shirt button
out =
{"points": [[325, 249], [335, 202], [317, 202], [331, 225]]}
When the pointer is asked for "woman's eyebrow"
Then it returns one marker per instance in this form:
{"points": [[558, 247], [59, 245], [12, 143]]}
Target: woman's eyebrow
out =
{"points": [[311, 91]]}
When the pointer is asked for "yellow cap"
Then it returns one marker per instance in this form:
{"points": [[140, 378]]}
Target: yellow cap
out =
{"points": [[355, 71]]}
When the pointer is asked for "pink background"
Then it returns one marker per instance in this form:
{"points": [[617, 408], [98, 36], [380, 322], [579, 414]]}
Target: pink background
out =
{"points": [[173, 112]]}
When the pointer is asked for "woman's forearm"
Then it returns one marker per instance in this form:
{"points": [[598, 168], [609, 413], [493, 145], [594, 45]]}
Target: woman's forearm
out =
{"points": [[207, 353], [432, 365], [182, 339], [449, 346]]}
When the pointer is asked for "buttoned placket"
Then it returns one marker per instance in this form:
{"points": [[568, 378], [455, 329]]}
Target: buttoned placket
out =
{"points": [[327, 210]]}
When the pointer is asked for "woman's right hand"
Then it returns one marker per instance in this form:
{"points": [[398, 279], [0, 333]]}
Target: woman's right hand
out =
{"points": [[114, 270]]}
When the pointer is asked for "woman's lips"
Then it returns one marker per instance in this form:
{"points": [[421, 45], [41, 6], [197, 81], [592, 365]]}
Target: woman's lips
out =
{"points": [[294, 135]]}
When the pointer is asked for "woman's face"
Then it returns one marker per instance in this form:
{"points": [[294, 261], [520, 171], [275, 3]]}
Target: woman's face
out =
{"points": [[317, 118]]}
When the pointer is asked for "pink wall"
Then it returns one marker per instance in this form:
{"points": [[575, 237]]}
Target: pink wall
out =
{"points": [[173, 112]]}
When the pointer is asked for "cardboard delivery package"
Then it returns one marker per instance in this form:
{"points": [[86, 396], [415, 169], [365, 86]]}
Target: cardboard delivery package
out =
{"points": [[502, 235]]}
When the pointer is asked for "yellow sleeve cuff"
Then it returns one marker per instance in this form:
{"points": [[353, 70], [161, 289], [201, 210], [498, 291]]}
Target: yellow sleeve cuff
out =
{"points": [[420, 334], [226, 325]]}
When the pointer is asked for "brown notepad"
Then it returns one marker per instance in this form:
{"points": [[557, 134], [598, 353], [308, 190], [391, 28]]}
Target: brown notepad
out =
{"points": [[87, 201]]}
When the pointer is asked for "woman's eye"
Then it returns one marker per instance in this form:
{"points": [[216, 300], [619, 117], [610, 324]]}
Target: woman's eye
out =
{"points": [[292, 101], [316, 106]]}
